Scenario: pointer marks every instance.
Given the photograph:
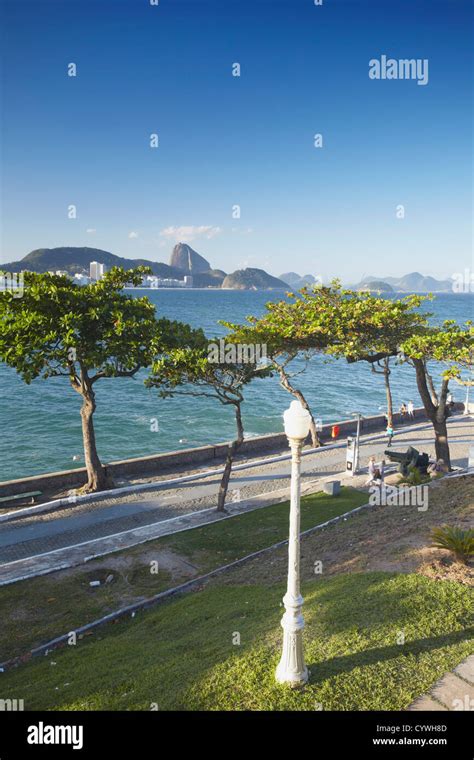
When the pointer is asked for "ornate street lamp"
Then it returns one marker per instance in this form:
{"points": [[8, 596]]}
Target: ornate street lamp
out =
{"points": [[292, 669]]}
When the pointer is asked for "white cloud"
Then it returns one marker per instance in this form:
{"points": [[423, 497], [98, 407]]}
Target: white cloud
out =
{"points": [[132, 235], [188, 233], [91, 230], [239, 231]]}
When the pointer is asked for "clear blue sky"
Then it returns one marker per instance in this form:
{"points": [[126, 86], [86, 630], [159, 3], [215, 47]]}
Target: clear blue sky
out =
{"points": [[249, 141]]}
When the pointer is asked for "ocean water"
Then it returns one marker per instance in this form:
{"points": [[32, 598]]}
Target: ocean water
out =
{"points": [[40, 426]]}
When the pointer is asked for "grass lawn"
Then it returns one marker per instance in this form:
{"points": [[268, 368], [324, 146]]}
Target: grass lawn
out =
{"points": [[181, 655], [39, 609], [221, 543]]}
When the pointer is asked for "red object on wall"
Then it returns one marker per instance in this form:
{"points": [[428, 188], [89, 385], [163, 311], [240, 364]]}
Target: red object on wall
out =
{"points": [[335, 430]]}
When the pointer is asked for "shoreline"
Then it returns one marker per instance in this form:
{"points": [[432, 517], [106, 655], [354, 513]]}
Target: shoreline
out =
{"points": [[159, 465], [289, 289]]}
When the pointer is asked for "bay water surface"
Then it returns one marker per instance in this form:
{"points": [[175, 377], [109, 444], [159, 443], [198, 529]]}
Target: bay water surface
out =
{"points": [[40, 425]]}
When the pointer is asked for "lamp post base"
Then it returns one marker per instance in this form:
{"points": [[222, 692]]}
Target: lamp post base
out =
{"points": [[291, 668], [294, 680]]}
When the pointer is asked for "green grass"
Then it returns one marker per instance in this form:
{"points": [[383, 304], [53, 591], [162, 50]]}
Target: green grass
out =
{"points": [[39, 609], [220, 543], [181, 655]]}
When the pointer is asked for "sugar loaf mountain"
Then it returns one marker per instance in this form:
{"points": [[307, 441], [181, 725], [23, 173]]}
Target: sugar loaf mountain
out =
{"points": [[184, 263]]}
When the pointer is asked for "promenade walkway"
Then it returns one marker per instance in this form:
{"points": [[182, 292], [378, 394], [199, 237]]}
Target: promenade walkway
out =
{"points": [[44, 542]]}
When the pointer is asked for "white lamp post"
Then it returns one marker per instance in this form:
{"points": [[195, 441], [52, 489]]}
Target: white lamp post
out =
{"points": [[292, 669], [357, 443]]}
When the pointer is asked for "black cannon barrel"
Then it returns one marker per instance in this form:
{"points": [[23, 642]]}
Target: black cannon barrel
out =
{"points": [[407, 459], [397, 456]]}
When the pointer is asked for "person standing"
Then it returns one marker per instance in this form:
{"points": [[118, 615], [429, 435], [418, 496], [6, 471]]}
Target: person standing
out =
{"points": [[371, 468], [403, 411], [411, 410], [389, 433]]}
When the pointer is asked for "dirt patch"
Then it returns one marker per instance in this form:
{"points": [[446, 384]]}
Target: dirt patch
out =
{"points": [[390, 538], [129, 567], [447, 569]]}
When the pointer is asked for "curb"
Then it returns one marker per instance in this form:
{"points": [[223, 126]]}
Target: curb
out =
{"points": [[68, 564]]}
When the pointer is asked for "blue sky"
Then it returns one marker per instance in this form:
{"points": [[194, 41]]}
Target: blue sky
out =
{"points": [[245, 140]]}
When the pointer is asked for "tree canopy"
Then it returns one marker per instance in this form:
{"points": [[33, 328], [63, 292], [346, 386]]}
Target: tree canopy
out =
{"points": [[60, 329]]}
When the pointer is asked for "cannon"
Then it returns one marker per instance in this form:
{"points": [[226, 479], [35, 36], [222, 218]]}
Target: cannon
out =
{"points": [[409, 458]]}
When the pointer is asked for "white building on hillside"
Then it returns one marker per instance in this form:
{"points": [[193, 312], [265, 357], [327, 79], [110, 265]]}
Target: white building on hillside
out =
{"points": [[96, 270]]}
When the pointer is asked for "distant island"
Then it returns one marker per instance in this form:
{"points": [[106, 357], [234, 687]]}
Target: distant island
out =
{"points": [[188, 268], [253, 279], [376, 286]]}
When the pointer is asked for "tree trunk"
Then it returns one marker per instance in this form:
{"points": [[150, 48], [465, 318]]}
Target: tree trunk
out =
{"points": [[441, 442], [97, 479], [284, 381], [436, 413], [224, 484], [388, 392], [231, 451], [430, 384]]}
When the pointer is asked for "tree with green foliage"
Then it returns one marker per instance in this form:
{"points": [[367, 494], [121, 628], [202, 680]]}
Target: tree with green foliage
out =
{"points": [[334, 321], [364, 327], [452, 345], [194, 373], [84, 334], [287, 333], [281, 354], [374, 330], [466, 376]]}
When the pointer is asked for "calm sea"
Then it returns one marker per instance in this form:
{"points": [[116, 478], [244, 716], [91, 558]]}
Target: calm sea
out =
{"points": [[41, 428]]}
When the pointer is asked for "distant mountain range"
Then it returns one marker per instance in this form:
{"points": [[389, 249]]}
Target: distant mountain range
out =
{"points": [[184, 261], [77, 260], [296, 281], [410, 283]]}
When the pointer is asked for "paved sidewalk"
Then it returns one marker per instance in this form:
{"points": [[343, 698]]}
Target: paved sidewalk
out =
{"points": [[41, 543], [455, 691], [71, 556]]}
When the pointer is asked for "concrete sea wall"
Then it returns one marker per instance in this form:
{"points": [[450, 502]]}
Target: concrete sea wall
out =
{"points": [[186, 459]]}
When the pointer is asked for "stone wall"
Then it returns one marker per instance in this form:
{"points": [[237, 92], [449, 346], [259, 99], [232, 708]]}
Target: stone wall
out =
{"points": [[186, 459]]}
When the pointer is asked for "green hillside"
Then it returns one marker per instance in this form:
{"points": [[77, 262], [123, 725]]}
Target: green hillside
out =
{"points": [[75, 260]]}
